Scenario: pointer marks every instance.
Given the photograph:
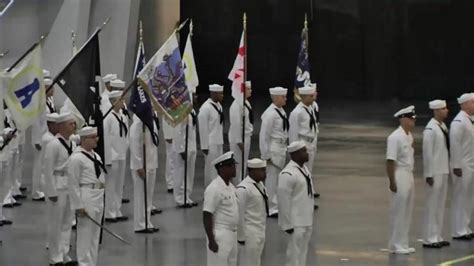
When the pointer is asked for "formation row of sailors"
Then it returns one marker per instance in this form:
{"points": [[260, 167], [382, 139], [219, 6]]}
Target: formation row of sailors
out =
{"points": [[447, 153]]}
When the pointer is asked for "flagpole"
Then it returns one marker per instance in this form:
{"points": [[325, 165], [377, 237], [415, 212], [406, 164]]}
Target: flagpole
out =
{"points": [[145, 177], [186, 140], [244, 98], [121, 97], [26, 53]]}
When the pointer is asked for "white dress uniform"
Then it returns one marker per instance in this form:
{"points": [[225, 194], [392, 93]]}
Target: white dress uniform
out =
{"points": [[87, 192], [235, 135], [179, 142], [220, 200], [138, 138], [116, 131], [253, 208], [5, 182], [316, 115], [400, 149], [272, 141], [436, 166], [296, 208], [211, 132], [57, 154], [461, 136], [38, 129], [16, 161], [170, 173]]}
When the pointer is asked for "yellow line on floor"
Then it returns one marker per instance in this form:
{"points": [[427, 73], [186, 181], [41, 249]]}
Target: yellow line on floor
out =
{"points": [[453, 262]]}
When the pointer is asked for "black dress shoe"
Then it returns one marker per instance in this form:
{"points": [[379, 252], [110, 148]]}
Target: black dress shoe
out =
{"points": [[111, 220], [8, 205], [194, 204], [125, 200], [316, 195], [17, 204], [74, 227], [155, 229], [57, 264], [444, 243], [275, 215], [184, 206], [156, 211], [145, 231], [22, 188], [39, 199], [71, 263], [316, 207], [463, 238], [122, 218], [432, 245], [1, 223], [6, 222], [170, 190], [19, 197]]}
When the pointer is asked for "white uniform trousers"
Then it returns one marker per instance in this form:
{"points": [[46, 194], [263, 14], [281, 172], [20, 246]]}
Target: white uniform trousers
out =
{"points": [[60, 220], [170, 165], [178, 189], [118, 168], [238, 157], [37, 178], [110, 209], [250, 254], [17, 169], [310, 148], [139, 199], [9, 183], [3, 184], [462, 203], [88, 233], [210, 171], [401, 208], [435, 205], [227, 252], [278, 157], [297, 249]]}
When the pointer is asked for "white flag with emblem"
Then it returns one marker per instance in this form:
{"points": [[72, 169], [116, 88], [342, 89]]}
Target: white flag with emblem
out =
{"points": [[24, 91]]}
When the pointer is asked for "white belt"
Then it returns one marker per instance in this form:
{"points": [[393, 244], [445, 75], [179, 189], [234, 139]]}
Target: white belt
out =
{"points": [[306, 138], [279, 141], [93, 186]]}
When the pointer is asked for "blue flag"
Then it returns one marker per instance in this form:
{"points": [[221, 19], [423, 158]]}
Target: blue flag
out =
{"points": [[303, 77], [140, 103]]}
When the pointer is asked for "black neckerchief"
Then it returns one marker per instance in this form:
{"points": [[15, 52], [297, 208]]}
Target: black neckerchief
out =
{"points": [[312, 120], [97, 164], [68, 148], [154, 135], [5, 123], [316, 113], [194, 117], [446, 136], [308, 182], [250, 113], [125, 112], [50, 107], [265, 198], [122, 126], [286, 122], [221, 114]]}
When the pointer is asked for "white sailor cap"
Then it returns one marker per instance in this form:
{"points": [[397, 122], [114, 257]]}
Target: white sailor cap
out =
{"points": [[114, 94], [87, 131], [48, 82], [465, 97], [53, 117], [117, 83], [296, 146], [46, 73], [63, 117], [437, 104], [256, 163], [307, 90], [225, 159], [406, 112], [248, 84], [315, 86], [278, 91], [109, 77], [216, 88]]}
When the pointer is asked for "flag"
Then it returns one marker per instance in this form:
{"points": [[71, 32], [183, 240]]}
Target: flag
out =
{"points": [[302, 66], [190, 73], [140, 103], [237, 73], [163, 78], [79, 79], [24, 91]]}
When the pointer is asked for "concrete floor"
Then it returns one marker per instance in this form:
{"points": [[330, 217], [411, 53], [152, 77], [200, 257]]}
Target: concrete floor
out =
{"points": [[350, 228]]}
